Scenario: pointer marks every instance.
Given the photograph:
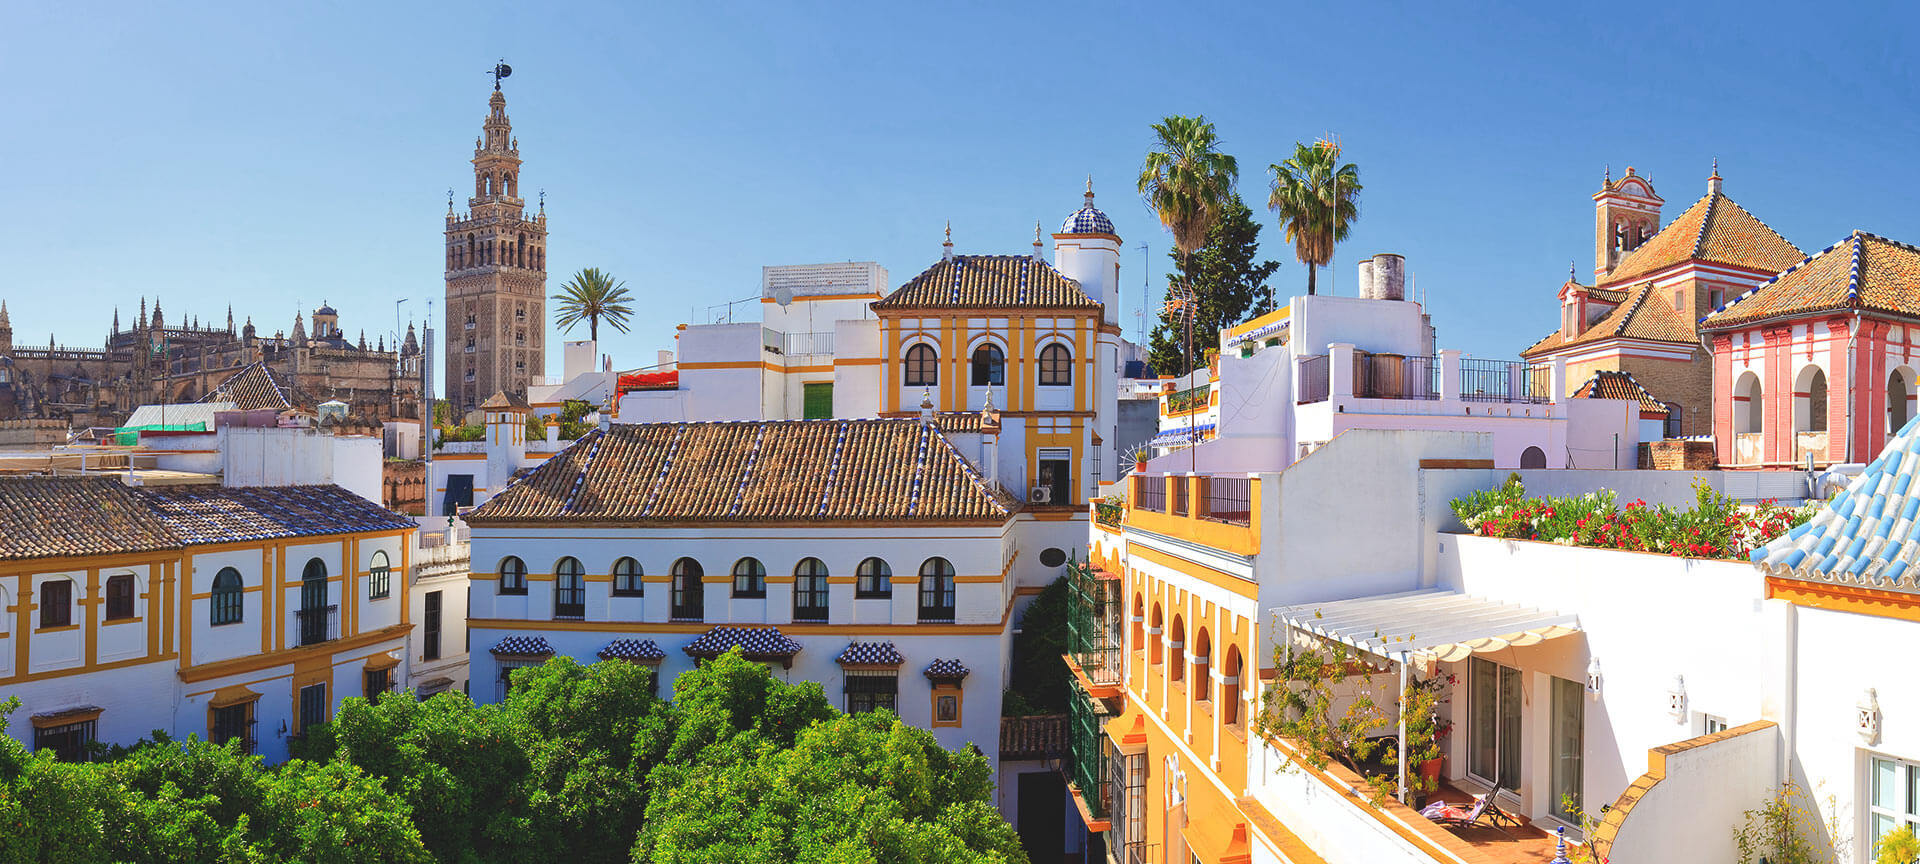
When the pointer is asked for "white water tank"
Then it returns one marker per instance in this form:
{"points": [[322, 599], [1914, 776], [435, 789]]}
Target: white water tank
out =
{"points": [[1363, 287], [1384, 277]]}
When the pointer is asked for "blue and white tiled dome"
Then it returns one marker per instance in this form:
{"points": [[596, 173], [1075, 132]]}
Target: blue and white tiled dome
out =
{"points": [[1088, 219]]}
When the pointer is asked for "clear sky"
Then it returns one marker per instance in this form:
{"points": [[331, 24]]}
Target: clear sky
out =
{"points": [[273, 156]]}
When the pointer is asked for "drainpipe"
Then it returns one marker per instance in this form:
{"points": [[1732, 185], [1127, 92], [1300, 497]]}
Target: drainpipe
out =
{"points": [[1404, 657], [1853, 376]]}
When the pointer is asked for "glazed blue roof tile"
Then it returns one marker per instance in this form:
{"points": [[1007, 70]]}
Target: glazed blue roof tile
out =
{"points": [[522, 646], [757, 643], [946, 670], [1868, 534], [1087, 220], [632, 649], [202, 514], [870, 654]]}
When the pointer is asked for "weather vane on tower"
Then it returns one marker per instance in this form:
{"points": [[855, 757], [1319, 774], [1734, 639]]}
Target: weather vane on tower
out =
{"points": [[500, 71]]}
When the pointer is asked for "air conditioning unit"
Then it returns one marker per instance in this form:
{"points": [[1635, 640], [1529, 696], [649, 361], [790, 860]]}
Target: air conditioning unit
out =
{"points": [[1040, 495]]}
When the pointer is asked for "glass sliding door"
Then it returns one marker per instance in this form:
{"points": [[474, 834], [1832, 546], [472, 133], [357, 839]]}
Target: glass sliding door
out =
{"points": [[1493, 723], [1569, 740]]}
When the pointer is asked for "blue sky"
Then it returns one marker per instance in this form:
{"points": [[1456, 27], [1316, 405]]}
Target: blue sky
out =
{"points": [[273, 156]]}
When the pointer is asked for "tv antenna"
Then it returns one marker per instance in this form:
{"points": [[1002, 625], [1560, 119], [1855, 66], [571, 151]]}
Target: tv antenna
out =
{"points": [[500, 70]]}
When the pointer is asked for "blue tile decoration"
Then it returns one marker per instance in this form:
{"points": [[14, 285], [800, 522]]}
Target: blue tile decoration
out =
{"points": [[870, 654], [522, 646], [632, 649], [946, 670], [757, 643]]}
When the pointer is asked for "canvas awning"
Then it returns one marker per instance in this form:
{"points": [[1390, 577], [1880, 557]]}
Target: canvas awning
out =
{"points": [[1443, 625]]}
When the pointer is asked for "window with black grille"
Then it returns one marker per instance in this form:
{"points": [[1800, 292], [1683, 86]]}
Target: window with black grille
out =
{"points": [[868, 689]]}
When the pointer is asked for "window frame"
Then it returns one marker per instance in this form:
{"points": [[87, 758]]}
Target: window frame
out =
{"points": [[869, 585], [379, 576], [749, 579], [120, 590], [375, 683], [1901, 812], [513, 579], [433, 611], [935, 586], [810, 584], [1056, 365], [318, 688], [221, 729], [990, 370], [70, 742], [56, 612], [688, 601], [629, 578], [883, 692], [922, 365], [569, 589], [232, 599]]}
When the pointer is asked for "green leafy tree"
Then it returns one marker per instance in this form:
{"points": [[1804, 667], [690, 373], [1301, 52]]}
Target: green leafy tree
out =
{"points": [[590, 296], [1188, 183], [1228, 283], [1038, 679], [1317, 200]]}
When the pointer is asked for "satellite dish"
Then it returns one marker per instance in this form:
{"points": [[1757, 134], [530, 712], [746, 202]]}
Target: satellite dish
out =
{"points": [[783, 296]]}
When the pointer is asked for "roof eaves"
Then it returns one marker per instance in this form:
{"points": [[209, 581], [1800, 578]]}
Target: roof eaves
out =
{"points": [[1707, 322]]}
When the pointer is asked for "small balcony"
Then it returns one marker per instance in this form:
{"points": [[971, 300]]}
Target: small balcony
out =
{"points": [[1215, 510], [315, 626]]}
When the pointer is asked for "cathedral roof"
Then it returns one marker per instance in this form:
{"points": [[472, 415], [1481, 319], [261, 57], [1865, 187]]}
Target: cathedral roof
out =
{"points": [[802, 471], [1864, 271], [988, 282], [1643, 314], [1716, 230], [251, 388]]}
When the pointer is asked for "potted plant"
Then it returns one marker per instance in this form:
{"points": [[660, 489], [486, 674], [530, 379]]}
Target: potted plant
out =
{"points": [[1427, 730]]}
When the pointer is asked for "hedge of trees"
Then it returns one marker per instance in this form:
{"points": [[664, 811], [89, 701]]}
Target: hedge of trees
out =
{"points": [[580, 764]]}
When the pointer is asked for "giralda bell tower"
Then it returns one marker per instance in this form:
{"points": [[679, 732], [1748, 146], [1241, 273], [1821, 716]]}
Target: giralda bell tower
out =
{"points": [[496, 310]]}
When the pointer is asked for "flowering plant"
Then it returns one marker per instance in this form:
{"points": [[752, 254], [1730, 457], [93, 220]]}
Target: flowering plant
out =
{"points": [[1717, 526]]}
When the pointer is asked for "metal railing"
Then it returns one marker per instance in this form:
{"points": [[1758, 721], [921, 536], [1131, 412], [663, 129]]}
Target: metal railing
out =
{"points": [[1227, 499], [1504, 381], [318, 625], [808, 343], [1394, 376], [1150, 493], [1315, 380]]}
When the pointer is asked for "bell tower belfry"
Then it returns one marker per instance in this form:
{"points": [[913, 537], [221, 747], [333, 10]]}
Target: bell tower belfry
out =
{"points": [[1626, 213], [496, 271]]}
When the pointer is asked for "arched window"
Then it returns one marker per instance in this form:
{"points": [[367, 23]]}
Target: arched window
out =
{"points": [[226, 606], [1230, 687], [316, 610], [1810, 401], [520, 251], [923, 366], [989, 366], [119, 596], [749, 579], [874, 579], [513, 575], [810, 590], [569, 589], [379, 576], [936, 590], [1153, 636], [1748, 406], [1533, 457], [1176, 644], [1899, 411], [689, 600], [1056, 365], [626, 579], [1202, 647]]}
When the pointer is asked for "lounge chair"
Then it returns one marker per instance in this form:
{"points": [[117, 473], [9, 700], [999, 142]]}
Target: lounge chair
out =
{"points": [[1484, 814]]}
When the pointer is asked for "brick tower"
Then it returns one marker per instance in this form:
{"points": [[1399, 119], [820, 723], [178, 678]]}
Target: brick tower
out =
{"points": [[496, 275], [1626, 213]]}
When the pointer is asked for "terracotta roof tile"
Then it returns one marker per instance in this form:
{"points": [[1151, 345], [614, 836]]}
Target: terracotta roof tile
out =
{"points": [[49, 517], [1714, 229], [502, 400], [1863, 271], [771, 471], [1643, 315], [1037, 736], [251, 388], [988, 281], [220, 514], [1606, 384]]}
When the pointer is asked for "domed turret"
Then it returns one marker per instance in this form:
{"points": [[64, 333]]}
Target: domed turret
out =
{"points": [[1088, 219]]}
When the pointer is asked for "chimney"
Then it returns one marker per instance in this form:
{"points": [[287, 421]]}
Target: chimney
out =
{"points": [[990, 442]]}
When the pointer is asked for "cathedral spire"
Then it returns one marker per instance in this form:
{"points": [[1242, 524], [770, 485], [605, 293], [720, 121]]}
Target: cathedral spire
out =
{"points": [[8, 322]]}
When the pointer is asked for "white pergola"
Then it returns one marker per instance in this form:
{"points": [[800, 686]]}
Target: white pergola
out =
{"points": [[1419, 625]]}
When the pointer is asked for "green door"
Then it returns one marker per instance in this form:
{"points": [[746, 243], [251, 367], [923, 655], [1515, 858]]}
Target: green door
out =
{"points": [[818, 400]]}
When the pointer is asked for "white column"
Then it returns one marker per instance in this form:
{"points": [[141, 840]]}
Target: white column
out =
{"points": [[1559, 379], [1450, 374], [1340, 370]]}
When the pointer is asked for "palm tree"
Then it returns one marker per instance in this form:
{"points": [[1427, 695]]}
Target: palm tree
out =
{"points": [[1317, 199], [1188, 182], [590, 296]]}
